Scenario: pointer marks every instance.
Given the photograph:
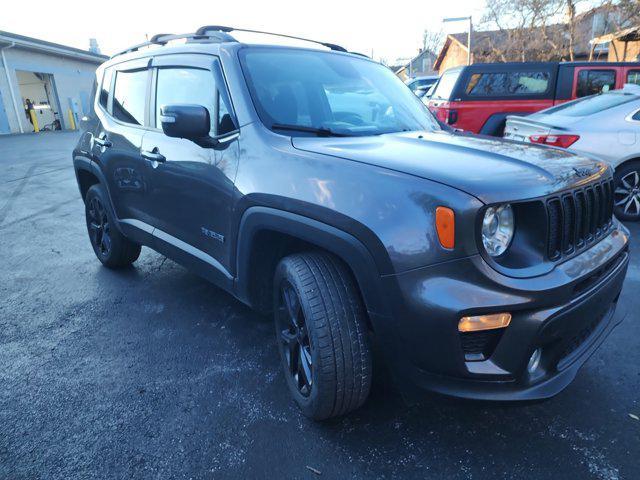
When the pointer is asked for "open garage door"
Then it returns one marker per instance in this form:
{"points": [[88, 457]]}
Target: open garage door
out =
{"points": [[38, 95]]}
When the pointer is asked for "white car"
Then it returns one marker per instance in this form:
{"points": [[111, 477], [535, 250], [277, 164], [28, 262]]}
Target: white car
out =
{"points": [[606, 126]]}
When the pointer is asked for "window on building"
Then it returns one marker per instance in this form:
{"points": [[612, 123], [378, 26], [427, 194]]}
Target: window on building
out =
{"points": [[633, 76], [105, 88], [591, 82], [505, 84], [179, 86], [129, 96]]}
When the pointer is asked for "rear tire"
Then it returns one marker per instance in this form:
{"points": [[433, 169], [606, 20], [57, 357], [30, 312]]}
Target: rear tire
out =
{"points": [[627, 192], [111, 247], [322, 335]]}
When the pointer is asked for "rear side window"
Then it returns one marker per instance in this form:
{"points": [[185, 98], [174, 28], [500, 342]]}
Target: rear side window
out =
{"points": [[506, 84], [186, 86], [129, 96], [636, 116], [591, 82], [633, 76], [445, 86], [105, 88]]}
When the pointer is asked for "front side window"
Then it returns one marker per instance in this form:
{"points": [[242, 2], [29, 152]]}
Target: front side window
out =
{"points": [[129, 96], [186, 86], [633, 76], [505, 84], [327, 93], [591, 82], [105, 88]]}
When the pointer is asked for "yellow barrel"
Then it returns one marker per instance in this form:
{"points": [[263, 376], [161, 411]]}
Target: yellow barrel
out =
{"points": [[34, 120], [72, 120]]}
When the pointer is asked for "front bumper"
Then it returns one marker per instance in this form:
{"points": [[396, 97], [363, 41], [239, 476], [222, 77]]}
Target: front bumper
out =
{"points": [[566, 313]]}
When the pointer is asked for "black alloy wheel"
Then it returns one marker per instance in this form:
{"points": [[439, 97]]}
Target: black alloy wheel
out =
{"points": [[295, 339]]}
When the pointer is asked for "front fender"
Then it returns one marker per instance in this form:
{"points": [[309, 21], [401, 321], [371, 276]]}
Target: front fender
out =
{"points": [[347, 247]]}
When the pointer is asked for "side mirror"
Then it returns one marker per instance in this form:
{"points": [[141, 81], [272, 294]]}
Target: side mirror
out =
{"points": [[185, 121]]}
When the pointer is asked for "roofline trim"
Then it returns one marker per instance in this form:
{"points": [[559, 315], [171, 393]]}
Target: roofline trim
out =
{"points": [[30, 43]]}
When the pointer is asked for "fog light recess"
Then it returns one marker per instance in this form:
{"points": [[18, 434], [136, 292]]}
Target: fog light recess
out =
{"points": [[534, 361]]}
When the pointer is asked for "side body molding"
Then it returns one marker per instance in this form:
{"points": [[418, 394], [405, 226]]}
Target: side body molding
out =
{"points": [[338, 242]]}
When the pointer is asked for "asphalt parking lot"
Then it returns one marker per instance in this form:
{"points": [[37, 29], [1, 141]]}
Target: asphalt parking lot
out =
{"points": [[154, 373]]}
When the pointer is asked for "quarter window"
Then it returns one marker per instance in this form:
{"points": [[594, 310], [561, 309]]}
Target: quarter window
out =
{"points": [[179, 86], [129, 96], [225, 120], [506, 84], [633, 76], [591, 82], [105, 88]]}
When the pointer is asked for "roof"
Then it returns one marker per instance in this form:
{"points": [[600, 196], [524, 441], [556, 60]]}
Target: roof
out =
{"points": [[399, 68], [30, 43], [631, 34]]}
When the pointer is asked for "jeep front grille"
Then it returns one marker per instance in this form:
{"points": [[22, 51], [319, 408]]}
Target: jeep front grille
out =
{"points": [[578, 218]]}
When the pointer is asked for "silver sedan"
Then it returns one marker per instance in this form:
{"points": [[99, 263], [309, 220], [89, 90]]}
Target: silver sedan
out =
{"points": [[606, 126]]}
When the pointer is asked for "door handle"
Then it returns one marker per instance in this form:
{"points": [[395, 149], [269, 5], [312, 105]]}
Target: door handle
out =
{"points": [[153, 155], [102, 142]]}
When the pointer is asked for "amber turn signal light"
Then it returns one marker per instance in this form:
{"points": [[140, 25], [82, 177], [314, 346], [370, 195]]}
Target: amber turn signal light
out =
{"points": [[446, 226], [484, 322]]}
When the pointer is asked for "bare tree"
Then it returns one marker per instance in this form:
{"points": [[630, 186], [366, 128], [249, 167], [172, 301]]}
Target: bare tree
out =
{"points": [[432, 41], [525, 29]]}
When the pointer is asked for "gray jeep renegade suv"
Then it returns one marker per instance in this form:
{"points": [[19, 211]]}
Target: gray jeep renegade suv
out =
{"points": [[310, 183]]}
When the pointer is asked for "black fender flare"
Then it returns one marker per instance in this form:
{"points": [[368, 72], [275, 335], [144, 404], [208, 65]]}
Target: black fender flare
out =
{"points": [[342, 244], [84, 163]]}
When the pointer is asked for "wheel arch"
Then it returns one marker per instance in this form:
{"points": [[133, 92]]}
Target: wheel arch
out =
{"points": [[266, 235], [626, 162], [86, 175]]}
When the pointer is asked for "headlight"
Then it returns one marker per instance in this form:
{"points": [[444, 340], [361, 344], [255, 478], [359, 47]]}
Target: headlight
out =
{"points": [[497, 229]]}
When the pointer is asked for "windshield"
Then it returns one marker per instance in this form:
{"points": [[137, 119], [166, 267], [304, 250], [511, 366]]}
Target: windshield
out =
{"points": [[590, 105], [444, 88], [327, 93]]}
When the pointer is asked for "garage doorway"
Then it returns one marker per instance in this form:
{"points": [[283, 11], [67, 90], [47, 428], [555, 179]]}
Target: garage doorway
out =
{"points": [[38, 93]]}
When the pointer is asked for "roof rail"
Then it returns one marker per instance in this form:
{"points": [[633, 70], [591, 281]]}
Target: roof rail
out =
{"points": [[164, 38], [221, 28], [218, 34]]}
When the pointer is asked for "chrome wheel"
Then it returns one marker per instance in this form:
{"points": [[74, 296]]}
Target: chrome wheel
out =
{"points": [[294, 338], [98, 225], [627, 194]]}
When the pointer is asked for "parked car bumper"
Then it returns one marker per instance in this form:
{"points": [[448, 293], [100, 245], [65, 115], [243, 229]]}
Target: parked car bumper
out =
{"points": [[566, 314]]}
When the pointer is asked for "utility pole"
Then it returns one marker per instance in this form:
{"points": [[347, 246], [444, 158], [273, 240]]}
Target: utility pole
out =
{"points": [[460, 19]]}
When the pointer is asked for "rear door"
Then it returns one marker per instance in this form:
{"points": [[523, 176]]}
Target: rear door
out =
{"points": [[592, 80], [632, 75], [192, 187], [117, 140]]}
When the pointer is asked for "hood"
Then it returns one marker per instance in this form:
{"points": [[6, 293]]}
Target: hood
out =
{"points": [[491, 169]]}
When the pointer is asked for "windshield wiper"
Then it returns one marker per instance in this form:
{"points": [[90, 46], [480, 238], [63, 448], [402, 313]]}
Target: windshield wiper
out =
{"points": [[320, 131]]}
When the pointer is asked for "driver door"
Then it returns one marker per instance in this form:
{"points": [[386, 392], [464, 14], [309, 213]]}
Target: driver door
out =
{"points": [[192, 187]]}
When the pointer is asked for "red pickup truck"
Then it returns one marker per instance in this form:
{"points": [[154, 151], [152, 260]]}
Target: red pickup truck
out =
{"points": [[477, 98]]}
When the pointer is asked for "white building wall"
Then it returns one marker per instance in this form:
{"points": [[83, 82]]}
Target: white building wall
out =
{"points": [[72, 78]]}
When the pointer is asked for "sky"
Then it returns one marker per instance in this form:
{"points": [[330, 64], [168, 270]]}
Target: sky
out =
{"points": [[391, 30]]}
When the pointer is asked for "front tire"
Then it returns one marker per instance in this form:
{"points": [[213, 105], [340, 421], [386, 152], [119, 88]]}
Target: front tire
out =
{"points": [[322, 335], [627, 192], [111, 247]]}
